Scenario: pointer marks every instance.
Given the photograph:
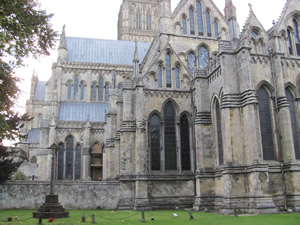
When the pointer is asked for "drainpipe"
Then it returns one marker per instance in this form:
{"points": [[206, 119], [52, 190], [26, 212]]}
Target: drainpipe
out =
{"points": [[278, 131]]}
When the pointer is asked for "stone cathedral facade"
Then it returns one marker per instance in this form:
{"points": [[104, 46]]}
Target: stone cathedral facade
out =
{"points": [[184, 109]]}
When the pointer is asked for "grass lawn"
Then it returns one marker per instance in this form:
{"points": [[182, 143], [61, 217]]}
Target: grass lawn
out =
{"points": [[160, 218]]}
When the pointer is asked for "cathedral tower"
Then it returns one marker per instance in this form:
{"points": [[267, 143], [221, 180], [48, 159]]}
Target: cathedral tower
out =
{"points": [[138, 20], [230, 14]]}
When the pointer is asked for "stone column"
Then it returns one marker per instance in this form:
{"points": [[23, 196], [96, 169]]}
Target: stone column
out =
{"points": [[86, 153]]}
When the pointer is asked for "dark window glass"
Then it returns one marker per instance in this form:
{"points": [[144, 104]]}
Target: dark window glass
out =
{"points": [[177, 77], [168, 70], [192, 21], [100, 90], [149, 22], [121, 86], [81, 90], [154, 130], [138, 21], [33, 159], [60, 160], [296, 34], [290, 44], [199, 18], [77, 162], [69, 158], [184, 30], [191, 63], [69, 90], [94, 92], [293, 112], [185, 143], [219, 133], [208, 25], [254, 34], [159, 76], [107, 92], [76, 84], [170, 137], [266, 124], [203, 57], [216, 28]]}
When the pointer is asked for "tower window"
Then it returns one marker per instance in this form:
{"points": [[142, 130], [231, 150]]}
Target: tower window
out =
{"points": [[192, 21], [184, 29], [208, 25], [168, 70], [199, 18], [216, 29], [159, 72]]}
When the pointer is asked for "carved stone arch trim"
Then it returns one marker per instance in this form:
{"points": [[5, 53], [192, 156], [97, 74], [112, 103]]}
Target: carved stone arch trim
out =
{"points": [[176, 106], [187, 114], [292, 88], [67, 81], [202, 44], [213, 99], [155, 112], [267, 86]]}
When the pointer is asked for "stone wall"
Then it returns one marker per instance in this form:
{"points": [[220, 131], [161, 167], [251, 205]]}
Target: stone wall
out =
{"points": [[79, 195]]}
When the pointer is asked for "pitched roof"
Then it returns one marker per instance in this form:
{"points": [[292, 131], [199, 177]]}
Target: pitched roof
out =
{"points": [[104, 51], [40, 90], [81, 111], [33, 136]]}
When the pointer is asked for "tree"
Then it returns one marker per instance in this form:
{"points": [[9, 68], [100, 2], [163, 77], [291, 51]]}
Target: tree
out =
{"points": [[25, 30]]}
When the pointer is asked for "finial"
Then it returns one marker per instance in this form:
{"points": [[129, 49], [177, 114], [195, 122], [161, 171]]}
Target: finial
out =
{"points": [[63, 42], [250, 6], [136, 55]]}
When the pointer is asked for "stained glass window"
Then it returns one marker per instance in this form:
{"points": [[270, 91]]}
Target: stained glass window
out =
{"points": [[170, 137], [177, 77], [94, 92], [69, 157], [266, 124], [216, 28], [192, 21], [184, 30], [199, 18], [293, 113], [76, 84], [154, 132], [159, 76], [185, 143], [168, 70], [290, 44], [254, 34], [296, 34], [191, 63], [81, 90], [219, 134], [60, 160], [100, 90], [69, 89], [78, 162], [107, 92], [208, 25], [203, 57]]}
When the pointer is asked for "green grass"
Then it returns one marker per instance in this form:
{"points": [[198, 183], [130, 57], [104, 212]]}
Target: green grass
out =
{"points": [[160, 218]]}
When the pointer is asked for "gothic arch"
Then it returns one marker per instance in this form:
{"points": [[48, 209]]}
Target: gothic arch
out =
{"points": [[155, 112], [268, 86], [217, 118], [292, 88], [176, 106]]}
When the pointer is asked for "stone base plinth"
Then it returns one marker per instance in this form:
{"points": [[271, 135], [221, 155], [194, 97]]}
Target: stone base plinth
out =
{"points": [[51, 208]]}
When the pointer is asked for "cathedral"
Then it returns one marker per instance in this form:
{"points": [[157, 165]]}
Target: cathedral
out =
{"points": [[185, 109]]}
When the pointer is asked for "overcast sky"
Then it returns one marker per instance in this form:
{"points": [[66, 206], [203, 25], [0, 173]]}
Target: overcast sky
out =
{"points": [[98, 19]]}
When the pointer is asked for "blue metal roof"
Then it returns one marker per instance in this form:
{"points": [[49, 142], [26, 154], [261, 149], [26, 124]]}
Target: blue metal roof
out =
{"points": [[33, 136], [81, 111], [40, 91], [104, 51]]}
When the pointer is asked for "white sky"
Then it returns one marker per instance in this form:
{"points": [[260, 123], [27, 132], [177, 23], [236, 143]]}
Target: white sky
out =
{"points": [[98, 19]]}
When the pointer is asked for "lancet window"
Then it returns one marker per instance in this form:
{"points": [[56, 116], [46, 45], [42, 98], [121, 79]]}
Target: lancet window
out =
{"points": [[192, 21], [199, 18]]}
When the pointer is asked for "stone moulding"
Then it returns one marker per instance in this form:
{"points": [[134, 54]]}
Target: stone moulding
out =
{"points": [[166, 93], [241, 100]]}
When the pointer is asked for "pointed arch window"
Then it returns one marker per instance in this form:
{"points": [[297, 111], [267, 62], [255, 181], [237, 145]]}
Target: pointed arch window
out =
{"points": [[77, 162], [296, 36], [33, 160], [76, 84], [81, 90], [293, 114], [199, 18], [107, 92], [290, 43], [208, 24], [69, 157], [100, 90], [192, 21], [149, 21], [69, 89], [177, 76], [170, 137], [168, 70], [203, 57], [185, 143], [159, 72], [94, 92], [216, 29], [184, 28], [266, 127], [191, 63], [138, 21], [219, 134], [60, 162], [154, 133]]}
